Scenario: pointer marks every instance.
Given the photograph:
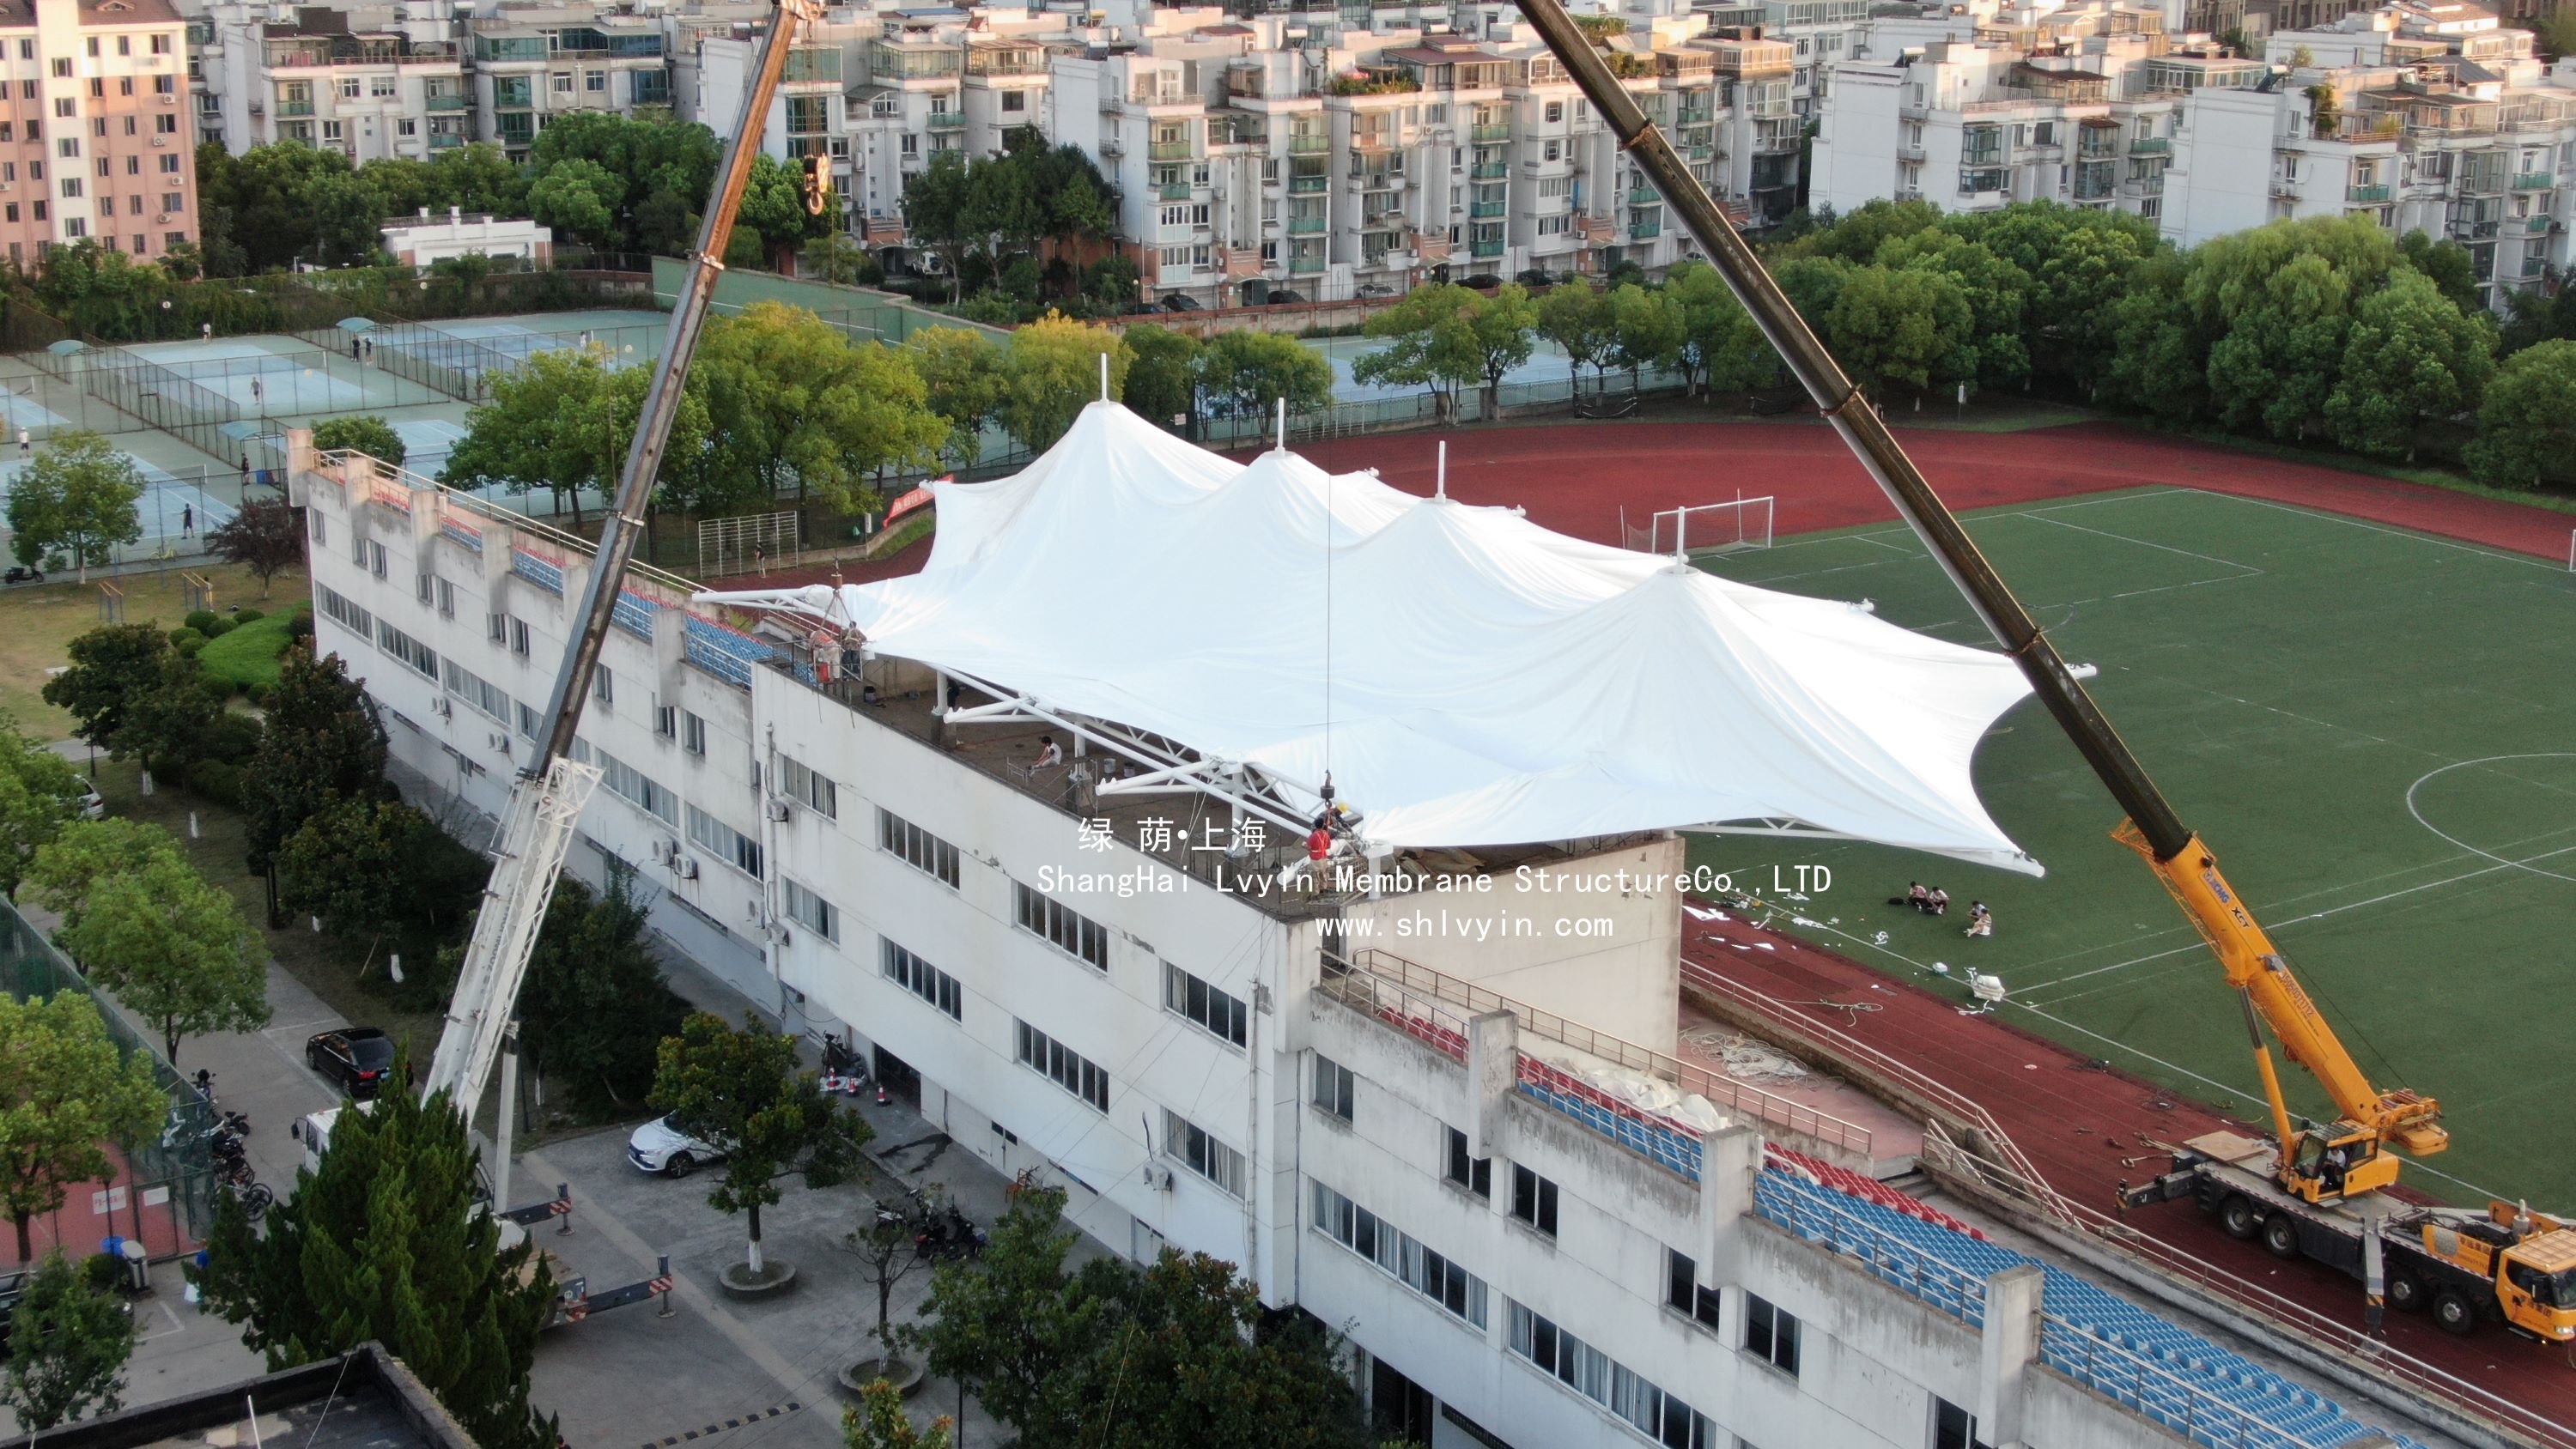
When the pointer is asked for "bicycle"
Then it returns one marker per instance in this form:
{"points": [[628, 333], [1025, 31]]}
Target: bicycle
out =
{"points": [[254, 1197]]}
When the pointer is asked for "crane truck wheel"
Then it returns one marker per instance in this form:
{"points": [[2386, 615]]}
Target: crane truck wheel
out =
{"points": [[2406, 1293], [2239, 1218], [2453, 1310], [2281, 1235]]}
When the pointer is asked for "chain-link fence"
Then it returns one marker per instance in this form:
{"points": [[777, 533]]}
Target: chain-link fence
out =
{"points": [[163, 1193]]}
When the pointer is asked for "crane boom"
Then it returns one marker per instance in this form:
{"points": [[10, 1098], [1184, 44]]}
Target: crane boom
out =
{"points": [[546, 801], [2187, 867]]}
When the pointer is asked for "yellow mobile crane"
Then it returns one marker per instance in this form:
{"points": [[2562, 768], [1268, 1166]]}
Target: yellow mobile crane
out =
{"points": [[2319, 1192]]}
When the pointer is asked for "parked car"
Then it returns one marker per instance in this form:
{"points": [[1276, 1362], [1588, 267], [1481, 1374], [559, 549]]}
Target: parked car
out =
{"points": [[1536, 277], [355, 1059], [1281, 297], [667, 1146], [1148, 305], [1178, 303], [1376, 289], [1485, 281], [92, 806]]}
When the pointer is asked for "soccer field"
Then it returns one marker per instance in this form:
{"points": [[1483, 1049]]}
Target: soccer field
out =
{"points": [[2370, 727]]}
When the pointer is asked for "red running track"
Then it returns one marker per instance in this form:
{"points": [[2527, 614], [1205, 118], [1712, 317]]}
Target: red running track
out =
{"points": [[2075, 1119]]}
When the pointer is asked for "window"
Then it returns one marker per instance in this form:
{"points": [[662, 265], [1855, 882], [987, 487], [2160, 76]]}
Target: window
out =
{"points": [[1590, 1372], [1685, 1294], [125, 45], [406, 127], [724, 842], [446, 598], [813, 912], [519, 637], [1333, 1087], [921, 978], [666, 722], [407, 649], [1555, 112], [1555, 151], [1072, 932], [1194, 1149], [379, 87], [1534, 1200], [693, 733], [1219, 1012], [920, 849], [170, 165], [331, 131], [1954, 1427], [91, 46], [1476, 1174], [345, 612], [478, 692], [1428, 1273], [67, 147], [1015, 101], [348, 88], [71, 186], [527, 721], [62, 67], [630, 783], [1066, 1068], [560, 82], [375, 556], [165, 125], [603, 687], [1771, 1334], [321, 525], [160, 45], [805, 786], [595, 81], [496, 628]]}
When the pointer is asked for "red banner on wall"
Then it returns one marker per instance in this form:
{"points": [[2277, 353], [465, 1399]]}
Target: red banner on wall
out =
{"points": [[917, 498]]}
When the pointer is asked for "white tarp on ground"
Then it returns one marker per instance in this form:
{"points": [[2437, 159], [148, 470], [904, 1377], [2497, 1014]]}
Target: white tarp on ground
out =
{"points": [[1467, 677]]}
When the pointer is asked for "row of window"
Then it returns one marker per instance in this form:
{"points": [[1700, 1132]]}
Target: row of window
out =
{"points": [[1533, 1196], [629, 783], [407, 649], [917, 847], [1590, 1372], [479, 692], [1067, 1068], [806, 787], [813, 912], [922, 979], [1072, 932], [1462, 1293], [344, 611], [1201, 1153], [725, 843]]}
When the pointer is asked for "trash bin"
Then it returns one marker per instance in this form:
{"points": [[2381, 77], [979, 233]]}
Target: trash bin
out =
{"points": [[138, 1271]]}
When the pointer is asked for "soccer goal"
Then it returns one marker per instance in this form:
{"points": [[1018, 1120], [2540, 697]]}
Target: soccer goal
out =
{"points": [[1703, 528]]}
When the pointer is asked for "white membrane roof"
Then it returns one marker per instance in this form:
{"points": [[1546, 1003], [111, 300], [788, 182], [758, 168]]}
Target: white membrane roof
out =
{"points": [[1467, 677]]}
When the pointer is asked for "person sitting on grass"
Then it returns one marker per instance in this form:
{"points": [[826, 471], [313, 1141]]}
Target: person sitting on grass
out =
{"points": [[1938, 903], [1915, 896], [1981, 921]]}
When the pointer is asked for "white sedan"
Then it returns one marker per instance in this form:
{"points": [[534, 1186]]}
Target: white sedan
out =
{"points": [[666, 1146]]}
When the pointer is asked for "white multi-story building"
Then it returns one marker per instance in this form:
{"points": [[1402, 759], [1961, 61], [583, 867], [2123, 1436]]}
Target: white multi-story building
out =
{"points": [[1522, 1256]]}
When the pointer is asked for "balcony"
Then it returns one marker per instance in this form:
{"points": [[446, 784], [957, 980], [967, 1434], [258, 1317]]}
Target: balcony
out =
{"points": [[1909, 151], [948, 120], [439, 141], [1489, 171], [1486, 135], [1301, 143], [1308, 185], [2531, 225], [2535, 181], [1167, 151], [1644, 196], [1174, 191], [2366, 195], [1307, 225], [445, 103], [1373, 140], [1486, 247], [1645, 228], [2151, 146], [1485, 210], [295, 108], [1111, 148], [1305, 266]]}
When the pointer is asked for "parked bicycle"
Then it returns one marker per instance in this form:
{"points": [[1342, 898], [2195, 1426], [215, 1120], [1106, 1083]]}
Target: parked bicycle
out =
{"points": [[255, 1197]]}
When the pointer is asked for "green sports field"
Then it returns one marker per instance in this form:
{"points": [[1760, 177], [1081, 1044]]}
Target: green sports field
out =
{"points": [[2374, 729]]}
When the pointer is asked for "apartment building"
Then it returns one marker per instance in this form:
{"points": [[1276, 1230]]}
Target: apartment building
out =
{"points": [[2081, 106], [332, 79], [2422, 117], [95, 142], [532, 63], [1407, 1149]]}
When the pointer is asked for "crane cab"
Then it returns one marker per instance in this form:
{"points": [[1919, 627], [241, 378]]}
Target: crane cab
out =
{"points": [[2327, 1164]]}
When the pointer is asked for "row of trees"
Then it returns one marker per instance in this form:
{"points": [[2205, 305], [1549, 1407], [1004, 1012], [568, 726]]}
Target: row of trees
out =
{"points": [[621, 183], [1010, 227]]}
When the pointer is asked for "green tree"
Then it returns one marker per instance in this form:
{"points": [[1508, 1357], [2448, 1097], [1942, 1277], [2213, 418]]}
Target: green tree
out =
{"points": [[2277, 304], [69, 1340], [173, 947], [877, 1421], [40, 793], [1008, 1325], [1721, 349], [320, 743], [2413, 355], [807, 409], [1430, 344], [1645, 331], [78, 495], [1857, 236], [2447, 263], [936, 200], [361, 432], [265, 538], [2558, 34], [889, 1249], [1998, 293], [351, 865], [84, 853], [387, 1240], [579, 198], [838, 258], [563, 420], [1498, 332], [177, 720], [66, 1093], [744, 1089], [596, 1007], [1251, 372], [1576, 317], [2527, 427], [2159, 356], [1907, 327], [111, 667], [279, 204], [1163, 381], [1053, 368], [964, 382]]}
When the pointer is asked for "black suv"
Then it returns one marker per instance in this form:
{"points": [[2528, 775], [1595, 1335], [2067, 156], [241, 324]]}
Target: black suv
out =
{"points": [[356, 1060]]}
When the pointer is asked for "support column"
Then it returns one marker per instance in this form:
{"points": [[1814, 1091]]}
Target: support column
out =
{"points": [[1493, 1070], [1729, 1160], [2005, 1352], [670, 651]]}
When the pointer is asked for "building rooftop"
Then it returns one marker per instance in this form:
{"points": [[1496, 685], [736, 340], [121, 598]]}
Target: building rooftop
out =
{"points": [[364, 1399], [21, 14]]}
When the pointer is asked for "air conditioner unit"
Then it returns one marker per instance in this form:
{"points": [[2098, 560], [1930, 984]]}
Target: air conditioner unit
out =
{"points": [[684, 867], [168, 98], [5, 186], [663, 850], [442, 708], [1158, 1177], [160, 140], [501, 742], [781, 811]]}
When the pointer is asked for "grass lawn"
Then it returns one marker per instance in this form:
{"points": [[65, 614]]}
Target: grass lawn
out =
{"points": [[2368, 726], [248, 655], [43, 619]]}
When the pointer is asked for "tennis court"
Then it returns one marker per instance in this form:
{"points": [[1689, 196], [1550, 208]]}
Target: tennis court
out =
{"points": [[266, 376], [2369, 726], [456, 356], [177, 509]]}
